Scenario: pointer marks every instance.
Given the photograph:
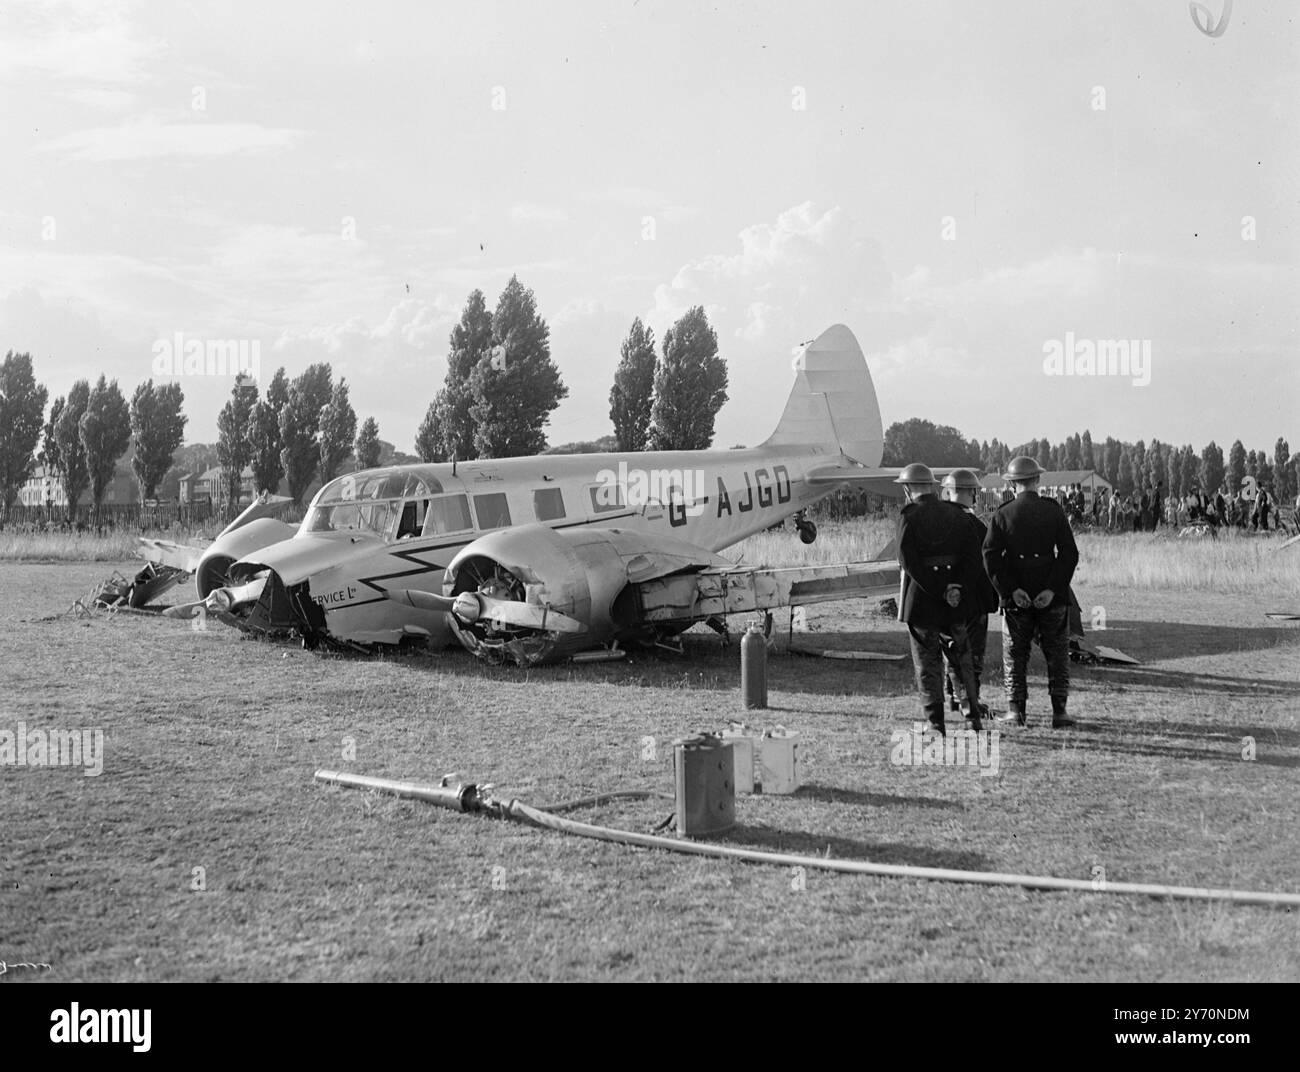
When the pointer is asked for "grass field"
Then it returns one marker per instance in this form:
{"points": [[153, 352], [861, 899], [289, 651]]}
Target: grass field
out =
{"points": [[211, 739]]}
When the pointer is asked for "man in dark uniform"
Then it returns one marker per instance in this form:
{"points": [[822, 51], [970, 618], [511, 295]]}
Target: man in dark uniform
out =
{"points": [[960, 487], [940, 560], [1031, 556]]}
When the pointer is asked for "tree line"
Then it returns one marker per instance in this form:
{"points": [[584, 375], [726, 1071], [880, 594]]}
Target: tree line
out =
{"points": [[299, 430], [502, 386], [1129, 467]]}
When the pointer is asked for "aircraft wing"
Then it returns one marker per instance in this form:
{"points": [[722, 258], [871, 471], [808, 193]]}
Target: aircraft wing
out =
{"points": [[878, 480], [719, 591], [186, 557], [166, 553]]}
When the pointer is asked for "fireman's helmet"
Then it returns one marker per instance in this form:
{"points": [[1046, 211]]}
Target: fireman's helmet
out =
{"points": [[1023, 468], [916, 473], [963, 479]]}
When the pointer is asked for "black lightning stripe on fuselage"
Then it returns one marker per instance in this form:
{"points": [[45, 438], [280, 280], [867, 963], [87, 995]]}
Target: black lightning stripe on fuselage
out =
{"points": [[423, 567]]}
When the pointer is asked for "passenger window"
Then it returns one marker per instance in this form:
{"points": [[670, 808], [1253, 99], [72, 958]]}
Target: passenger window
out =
{"points": [[447, 513], [606, 497], [492, 511], [548, 504], [412, 518]]}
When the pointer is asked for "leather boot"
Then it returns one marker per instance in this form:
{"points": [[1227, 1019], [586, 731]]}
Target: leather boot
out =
{"points": [[1060, 720], [934, 713], [1014, 713]]}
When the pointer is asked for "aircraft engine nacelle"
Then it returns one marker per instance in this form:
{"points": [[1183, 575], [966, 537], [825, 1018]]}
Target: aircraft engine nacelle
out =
{"points": [[231, 546], [535, 594]]}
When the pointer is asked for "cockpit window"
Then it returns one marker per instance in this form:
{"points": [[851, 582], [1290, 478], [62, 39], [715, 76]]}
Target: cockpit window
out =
{"points": [[373, 517], [378, 484], [412, 519]]}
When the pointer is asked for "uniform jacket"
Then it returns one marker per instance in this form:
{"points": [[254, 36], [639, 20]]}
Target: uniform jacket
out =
{"points": [[1029, 545], [985, 596], [937, 546]]}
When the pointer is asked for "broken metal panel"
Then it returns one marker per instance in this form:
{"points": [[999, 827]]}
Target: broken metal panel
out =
{"points": [[740, 590], [171, 554]]}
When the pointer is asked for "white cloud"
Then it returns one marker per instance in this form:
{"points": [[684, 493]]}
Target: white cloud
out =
{"points": [[108, 100], [790, 279], [526, 212], [77, 42], [151, 137]]}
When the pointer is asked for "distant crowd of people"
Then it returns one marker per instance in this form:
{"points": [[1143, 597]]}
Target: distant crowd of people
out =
{"points": [[1147, 508]]}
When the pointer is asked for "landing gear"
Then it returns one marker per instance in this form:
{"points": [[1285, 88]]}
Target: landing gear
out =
{"points": [[806, 529]]}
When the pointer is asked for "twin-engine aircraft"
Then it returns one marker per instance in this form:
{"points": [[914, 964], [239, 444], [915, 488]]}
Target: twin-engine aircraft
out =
{"points": [[540, 559]]}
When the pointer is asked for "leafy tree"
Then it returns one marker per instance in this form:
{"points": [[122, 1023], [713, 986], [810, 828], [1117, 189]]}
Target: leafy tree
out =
{"points": [[64, 451], [1283, 470], [366, 447], [1087, 460], [1252, 464], [428, 439], [1155, 464], [338, 426], [157, 427], [918, 440], [277, 391], [447, 430], [1236, 470], [1191, 468], [234, 451], [105, 430], [1110, 460], [1043, 453], [1265, 473], [263, 436], [309, 393], [604, 445], [1212, 468], [1125, 485], [512, 405], [632, 396], [1173, 471], [22, 408], [690, 385]]}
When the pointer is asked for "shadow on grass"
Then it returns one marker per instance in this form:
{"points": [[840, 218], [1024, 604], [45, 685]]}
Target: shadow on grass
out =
{"points": [[1153, 641], [1092, 737], [825, 794], [1183, 680], [800, 843]]}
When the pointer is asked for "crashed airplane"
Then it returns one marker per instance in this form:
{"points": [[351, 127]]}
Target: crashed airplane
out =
{"points": [[535, 560]]}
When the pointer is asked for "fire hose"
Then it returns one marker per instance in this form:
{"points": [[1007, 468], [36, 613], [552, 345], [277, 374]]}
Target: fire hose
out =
{"points": [[471, 798]]}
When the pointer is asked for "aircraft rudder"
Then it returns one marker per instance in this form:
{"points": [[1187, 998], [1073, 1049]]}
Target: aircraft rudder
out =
{"points": [[833, 401]]}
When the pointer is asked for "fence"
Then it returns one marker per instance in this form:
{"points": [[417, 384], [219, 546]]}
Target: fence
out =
{"points": [[128, 516]]}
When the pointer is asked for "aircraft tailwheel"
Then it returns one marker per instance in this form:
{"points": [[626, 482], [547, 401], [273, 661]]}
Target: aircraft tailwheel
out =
{"points": [[807, 531]]}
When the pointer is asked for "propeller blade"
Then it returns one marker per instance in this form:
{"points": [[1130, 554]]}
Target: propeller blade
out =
{"points": [[413, 597], [221, 599], [524, 615]]}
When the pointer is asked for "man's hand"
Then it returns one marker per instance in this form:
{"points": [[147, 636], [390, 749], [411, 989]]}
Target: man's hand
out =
{"points": [[1020, 598], [1044, 599], [952, 594]]}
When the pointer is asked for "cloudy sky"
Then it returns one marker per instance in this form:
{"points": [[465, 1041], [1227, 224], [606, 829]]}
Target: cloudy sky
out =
{"points": [[961, 184]]}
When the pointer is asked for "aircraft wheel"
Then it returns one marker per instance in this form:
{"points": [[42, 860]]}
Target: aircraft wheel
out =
{"points": [[807, 532]]}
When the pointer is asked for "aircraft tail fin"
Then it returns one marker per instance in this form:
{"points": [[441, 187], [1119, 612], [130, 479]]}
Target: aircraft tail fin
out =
{"points": [[833, 402]]}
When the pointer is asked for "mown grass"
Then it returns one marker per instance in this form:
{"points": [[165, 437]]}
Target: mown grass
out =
{"points": [[211, 741], [1235, 562]]}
